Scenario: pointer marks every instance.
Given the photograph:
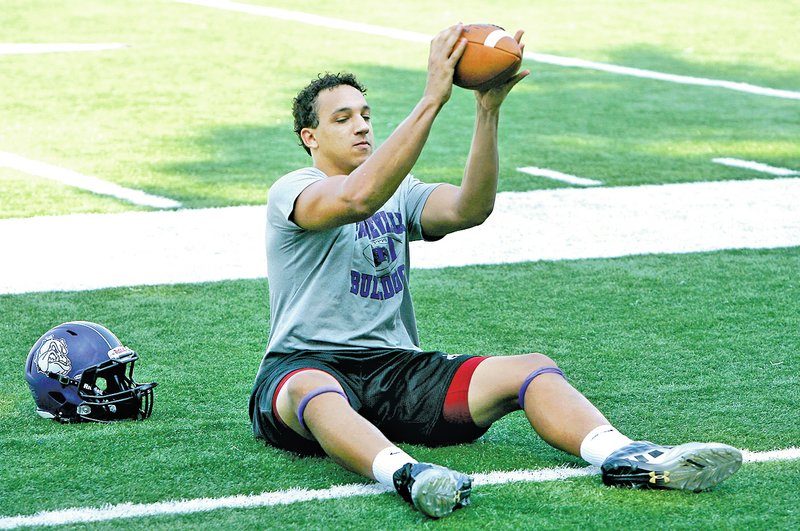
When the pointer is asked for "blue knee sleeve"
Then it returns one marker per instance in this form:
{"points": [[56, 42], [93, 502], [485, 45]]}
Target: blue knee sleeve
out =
{"points": [[529, 379], [316, 392]]}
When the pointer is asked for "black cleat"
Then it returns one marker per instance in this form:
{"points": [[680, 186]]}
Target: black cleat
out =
{"points": [[434, 490], [691, 466]]}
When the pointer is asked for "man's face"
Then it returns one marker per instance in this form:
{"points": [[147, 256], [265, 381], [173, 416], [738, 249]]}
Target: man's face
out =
{"points": [[343, 140]]}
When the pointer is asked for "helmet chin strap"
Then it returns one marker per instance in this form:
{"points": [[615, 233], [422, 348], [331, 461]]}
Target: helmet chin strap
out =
{"points": [[62, 378], [143, 388]]}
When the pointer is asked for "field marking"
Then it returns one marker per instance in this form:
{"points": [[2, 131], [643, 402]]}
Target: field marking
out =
{"points": [[314, 20], [84, 182], [45, 47], [558, 176], [756, 166], [411, 36], [78, 515], [661, 76], [215, 244]]}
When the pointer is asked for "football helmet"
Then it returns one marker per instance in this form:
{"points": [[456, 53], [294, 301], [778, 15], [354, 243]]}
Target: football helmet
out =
{"points": [[79, 371]]}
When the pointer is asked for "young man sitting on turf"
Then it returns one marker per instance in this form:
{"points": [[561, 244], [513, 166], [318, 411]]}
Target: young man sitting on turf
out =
{"points": [[344, 374]]}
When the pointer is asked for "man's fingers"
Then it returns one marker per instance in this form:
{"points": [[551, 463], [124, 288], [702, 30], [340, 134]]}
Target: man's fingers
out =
{"points": [[453, 42], [449, 35], [519, 77], [458, 50]]}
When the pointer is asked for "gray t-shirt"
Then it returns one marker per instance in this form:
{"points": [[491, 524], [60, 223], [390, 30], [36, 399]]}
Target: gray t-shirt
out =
{"points": [[344, 288]]}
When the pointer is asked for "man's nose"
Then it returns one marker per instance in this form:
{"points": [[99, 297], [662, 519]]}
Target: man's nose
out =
{"points": [[362, 125]]}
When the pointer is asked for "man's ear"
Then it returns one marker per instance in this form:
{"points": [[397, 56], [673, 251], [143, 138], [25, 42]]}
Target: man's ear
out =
{"points": [[308, 137]]}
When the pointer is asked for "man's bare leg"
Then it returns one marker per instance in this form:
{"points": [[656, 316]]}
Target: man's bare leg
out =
{"points": [[356, 444], [557, 411]]}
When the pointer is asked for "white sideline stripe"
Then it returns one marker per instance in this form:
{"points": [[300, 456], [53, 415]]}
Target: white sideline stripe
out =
{"points": [[214, 244], [757, 166], [198, 505], [327, 22], [558, 176], [45, 47], [660, 76], [605, 222], [85, 182], [314, 20], [137, 510], [771, 455]]}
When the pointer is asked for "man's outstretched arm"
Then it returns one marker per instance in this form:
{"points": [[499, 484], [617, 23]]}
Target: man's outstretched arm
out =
{"points": [[451, 208], [342, 199]]}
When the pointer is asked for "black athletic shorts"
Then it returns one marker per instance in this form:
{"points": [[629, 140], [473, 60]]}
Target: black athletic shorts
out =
{"points": [[401, 392]]}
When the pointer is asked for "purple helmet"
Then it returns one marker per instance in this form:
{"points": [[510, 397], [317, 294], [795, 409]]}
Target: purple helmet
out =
{"points": [[79, 371]]}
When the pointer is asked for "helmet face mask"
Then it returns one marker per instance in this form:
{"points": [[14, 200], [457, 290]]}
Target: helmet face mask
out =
{"points": [[79, 371], [109, 393]]}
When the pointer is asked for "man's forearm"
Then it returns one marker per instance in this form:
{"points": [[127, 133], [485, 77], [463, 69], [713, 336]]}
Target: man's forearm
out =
{"points": [[479, 184], [376, 180]]}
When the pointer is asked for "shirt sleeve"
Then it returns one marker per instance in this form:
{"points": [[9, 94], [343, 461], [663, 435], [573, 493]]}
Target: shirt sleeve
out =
{"points": [[416, 195], [282, 195]]}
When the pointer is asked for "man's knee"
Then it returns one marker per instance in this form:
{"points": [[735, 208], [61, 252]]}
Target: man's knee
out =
{"points": [[294, 394], [496, 384], [539, 365], [299, 385], [534, 361]]}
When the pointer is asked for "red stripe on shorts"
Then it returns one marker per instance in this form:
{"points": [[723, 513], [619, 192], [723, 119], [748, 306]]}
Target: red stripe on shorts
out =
{"points": [[278, 390], [456, 406]]}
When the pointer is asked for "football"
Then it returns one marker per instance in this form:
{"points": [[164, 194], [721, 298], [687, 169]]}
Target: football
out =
{"points": [[492, 56]]}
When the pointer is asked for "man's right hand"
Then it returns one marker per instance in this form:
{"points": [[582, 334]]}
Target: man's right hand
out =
{"points": [[446, 50]]}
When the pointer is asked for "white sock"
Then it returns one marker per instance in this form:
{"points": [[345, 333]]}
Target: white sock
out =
{"points": [[602, 442], [387, 462]]}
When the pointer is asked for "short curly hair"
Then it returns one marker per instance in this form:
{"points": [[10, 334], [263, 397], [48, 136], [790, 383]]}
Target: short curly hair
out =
{"points": [[304, 106]]}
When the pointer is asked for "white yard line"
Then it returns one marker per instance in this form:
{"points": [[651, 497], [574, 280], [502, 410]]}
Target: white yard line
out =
{"points": [[202, 245], [84, 182], [79, 515], [47, 47], [314, 20], [138, 510], [558, 176], [755, 166], [661, 76], [411, 36]]}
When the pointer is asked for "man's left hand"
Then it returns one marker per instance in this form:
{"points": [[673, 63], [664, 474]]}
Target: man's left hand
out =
{"points": [[492, 98]]}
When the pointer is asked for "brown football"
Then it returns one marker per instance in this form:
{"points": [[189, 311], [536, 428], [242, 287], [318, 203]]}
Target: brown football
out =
{"points": [[492, 56]]}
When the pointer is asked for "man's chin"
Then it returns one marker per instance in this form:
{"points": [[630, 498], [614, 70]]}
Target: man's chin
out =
{"points": [[361, 160]]}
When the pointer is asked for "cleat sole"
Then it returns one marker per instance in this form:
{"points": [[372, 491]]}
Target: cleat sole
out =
{"points": [[692, 466], [436, 494]]}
